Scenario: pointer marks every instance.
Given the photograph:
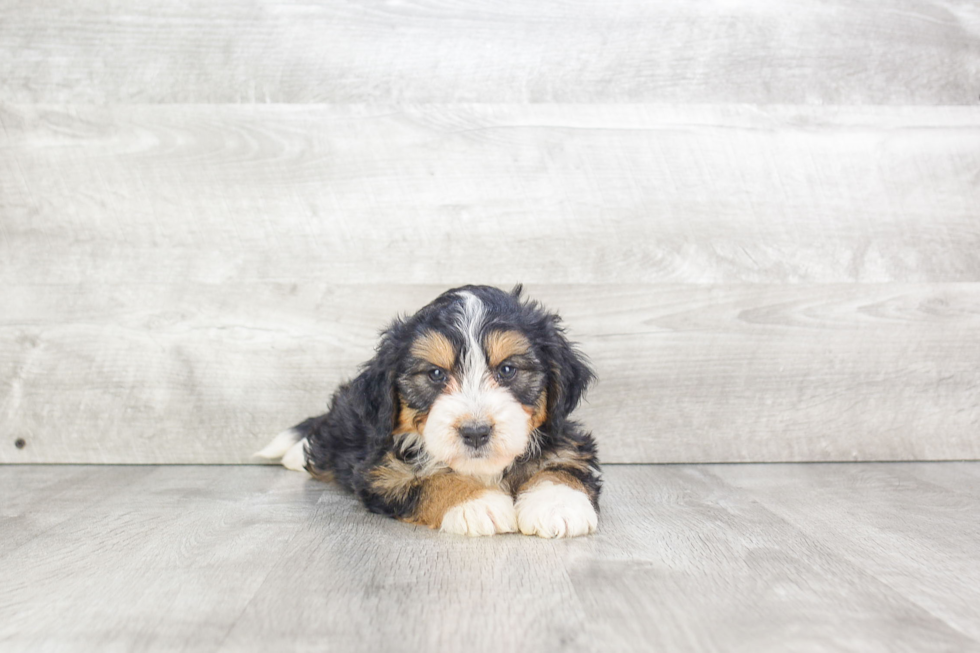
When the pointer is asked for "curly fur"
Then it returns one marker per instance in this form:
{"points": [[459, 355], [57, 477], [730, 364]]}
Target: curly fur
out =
{"points": [[475, 358]]}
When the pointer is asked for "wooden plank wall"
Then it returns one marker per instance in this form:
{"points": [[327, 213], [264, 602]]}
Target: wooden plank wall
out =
{"points": [[760, 219]]}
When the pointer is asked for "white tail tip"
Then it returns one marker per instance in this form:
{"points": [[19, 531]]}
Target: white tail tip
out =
{"points": [[280, 446], [295, 458]]}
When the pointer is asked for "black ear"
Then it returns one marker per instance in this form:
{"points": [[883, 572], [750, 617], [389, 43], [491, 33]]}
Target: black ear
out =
{"points": [[569, 375], [375, 389]]}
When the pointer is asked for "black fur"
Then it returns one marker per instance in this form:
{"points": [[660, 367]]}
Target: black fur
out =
{"points": [[356, 434]]}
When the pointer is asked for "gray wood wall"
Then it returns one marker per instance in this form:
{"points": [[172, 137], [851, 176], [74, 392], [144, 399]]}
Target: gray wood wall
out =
{"points": [[760, 219]]}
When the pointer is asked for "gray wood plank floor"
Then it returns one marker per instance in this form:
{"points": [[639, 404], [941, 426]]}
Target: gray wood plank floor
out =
{"points": [[869, 557]]}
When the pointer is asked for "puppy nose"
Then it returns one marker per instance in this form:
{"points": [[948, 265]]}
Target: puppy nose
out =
{"points": [[475, 434]]}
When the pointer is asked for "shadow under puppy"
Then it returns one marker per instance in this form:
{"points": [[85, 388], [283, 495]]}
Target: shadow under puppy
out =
{"points": [[460, 422]]}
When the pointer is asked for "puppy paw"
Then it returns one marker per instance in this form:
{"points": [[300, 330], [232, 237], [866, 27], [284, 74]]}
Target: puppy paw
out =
{"points": [[554, 510], [492, 512]]}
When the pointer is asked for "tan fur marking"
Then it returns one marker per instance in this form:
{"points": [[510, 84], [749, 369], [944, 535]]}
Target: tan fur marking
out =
{"points": [[394, 479], [501, 345], [409, 420], [442, 492], [435, 348], [539, 413], [555, 476], [323, 475], [568, 458]]}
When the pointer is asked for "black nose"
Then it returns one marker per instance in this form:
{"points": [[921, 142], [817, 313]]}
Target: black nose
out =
{"points": [[475, 434]]}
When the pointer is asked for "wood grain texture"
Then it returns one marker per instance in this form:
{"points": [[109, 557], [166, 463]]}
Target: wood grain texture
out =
{"points": [[838, 52], [176, 548], [774, 558], [208, 210], [957, 477], [37, 499], [890, 521], [456, 194], [687, 562], [208, 373]]}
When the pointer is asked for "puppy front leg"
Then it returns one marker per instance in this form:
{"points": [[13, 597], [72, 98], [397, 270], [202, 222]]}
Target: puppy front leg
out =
{"points": [[461, 505], [556, 503], [447, 501]]}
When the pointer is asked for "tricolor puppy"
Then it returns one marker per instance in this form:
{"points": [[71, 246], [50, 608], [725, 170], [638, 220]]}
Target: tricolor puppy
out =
{"points": [[460, 422]]}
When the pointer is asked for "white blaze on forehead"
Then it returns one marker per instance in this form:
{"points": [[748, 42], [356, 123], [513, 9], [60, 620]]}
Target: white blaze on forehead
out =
{"points": [[470, 322]]}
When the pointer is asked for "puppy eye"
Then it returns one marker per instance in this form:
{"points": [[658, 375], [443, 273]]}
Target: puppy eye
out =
{"points": [[506, 371], [437, 375]]}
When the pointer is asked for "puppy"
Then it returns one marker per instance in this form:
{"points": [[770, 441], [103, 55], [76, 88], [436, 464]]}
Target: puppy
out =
{"points": [[460, 422]]}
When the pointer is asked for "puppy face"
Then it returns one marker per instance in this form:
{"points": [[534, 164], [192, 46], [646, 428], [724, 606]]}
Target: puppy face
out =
{"points": [[473, 387]]}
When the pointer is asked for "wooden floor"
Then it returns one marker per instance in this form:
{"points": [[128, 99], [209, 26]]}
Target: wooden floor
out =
{"points": [[804, 557]]}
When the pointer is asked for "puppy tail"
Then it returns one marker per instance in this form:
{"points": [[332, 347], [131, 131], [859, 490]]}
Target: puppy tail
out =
{"points": [[288, 448]]}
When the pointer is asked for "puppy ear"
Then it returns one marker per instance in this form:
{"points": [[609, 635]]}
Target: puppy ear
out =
{"points": [[375, 389], [569, 375]]}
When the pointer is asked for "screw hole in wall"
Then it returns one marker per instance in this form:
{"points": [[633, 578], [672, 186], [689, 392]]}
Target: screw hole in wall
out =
{"points": [[20, 443]]}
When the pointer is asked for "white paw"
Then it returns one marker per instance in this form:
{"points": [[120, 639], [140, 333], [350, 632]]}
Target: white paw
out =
{"points": [[492, 512], [555, 510]]}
